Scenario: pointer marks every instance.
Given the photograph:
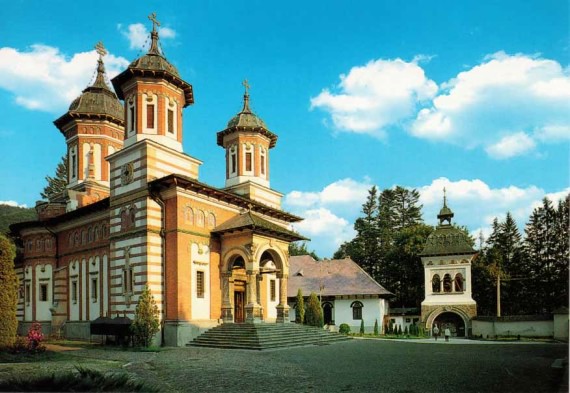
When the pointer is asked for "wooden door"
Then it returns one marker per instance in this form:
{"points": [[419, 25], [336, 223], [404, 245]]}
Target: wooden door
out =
{"points": [[239, 307]]}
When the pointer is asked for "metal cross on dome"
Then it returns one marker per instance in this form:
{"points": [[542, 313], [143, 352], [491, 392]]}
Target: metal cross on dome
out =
{"points": [[155, 22], [100, 49], [245, 84]]}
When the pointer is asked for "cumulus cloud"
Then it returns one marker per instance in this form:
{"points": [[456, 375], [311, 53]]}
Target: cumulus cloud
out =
{"points": [[474, 202], [43, 78], [372, 98], [13, 204], [138, 35], [505, 104]]}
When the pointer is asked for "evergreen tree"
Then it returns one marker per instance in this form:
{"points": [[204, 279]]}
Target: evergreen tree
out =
{"points": [[399, 330], [406, 333], [146, 323], [314, 312], [376, 327], [295, 249], [362, 326], [8, 293], [300, 308], [56, 184], [407, 211]]}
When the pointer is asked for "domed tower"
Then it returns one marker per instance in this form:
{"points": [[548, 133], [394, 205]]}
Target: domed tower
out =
{"points": [[93, 129], [447, 258], [154, 96], [247, 142]]}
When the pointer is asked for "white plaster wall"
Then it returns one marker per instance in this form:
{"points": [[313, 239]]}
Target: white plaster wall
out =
{"points": [[401, 320], [561, 323], [105, 286], [94, 303], [523, 328], [200, 261], [28, 305], [43, 277], [271, 312]]}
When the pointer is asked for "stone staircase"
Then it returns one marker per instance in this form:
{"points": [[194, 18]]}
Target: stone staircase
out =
{"points": [[262, 336]]}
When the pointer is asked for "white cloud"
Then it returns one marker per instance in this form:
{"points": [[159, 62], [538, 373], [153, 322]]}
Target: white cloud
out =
{"points": [[511, 145], [323, 226], [43, 78], [345, 191], [506, 104], [13, 204], [139, 36], [373, 97]]}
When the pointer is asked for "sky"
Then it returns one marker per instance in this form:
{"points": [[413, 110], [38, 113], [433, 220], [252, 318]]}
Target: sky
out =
{"points": [[473, 96]]}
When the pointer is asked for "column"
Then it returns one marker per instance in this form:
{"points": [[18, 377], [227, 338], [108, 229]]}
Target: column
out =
{"points": [[283, 307], [227, 314], [252, 308]]}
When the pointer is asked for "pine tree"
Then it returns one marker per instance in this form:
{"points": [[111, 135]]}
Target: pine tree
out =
{"points": [[314, 312], [146, 323], [407, 211], [406, 333], [362, 326], [8, 293], [57, 184], [399, 330], [376, 327], [300, 308], [302, 249]]}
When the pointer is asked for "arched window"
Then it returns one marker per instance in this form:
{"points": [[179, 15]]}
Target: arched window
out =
{"points": [[132, 216], [328, 313], [356, 310], [124, 219], [435, 283], [458, 282], [200, 218], [90, 234], [71, 240], [211, 220], [447, 283], [189, 215], [97, 233]]}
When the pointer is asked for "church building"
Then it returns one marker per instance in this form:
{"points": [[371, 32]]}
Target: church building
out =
{"points": [[447, 257], [135, 214]]}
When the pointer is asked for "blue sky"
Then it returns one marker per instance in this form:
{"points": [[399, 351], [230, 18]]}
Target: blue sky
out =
{"points": [[472, 95]]}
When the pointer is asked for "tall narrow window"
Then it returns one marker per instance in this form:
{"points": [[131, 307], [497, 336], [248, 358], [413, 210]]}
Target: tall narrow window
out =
{"points": [[132, 117], [435, 283], [356, 310], [447, 283], [43, 292], [171, 121], [262, 162], [128, 280], [27, 293], [458, 282], [150, 116], [248, 162], [233, 163], [272, 290], [200, 284], [94, 290], [73, 165], [74, 291]]}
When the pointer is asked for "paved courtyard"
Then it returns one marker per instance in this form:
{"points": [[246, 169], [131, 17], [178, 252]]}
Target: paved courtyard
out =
{"points": [[358, 366]]}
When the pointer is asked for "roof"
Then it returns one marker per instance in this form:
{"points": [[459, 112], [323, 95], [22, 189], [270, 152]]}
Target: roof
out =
{"points": [[222, 195], [246, 120], [253, 222], [334, 277], [96, 101]]}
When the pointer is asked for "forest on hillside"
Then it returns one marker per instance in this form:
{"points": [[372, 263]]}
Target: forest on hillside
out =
{"points": [[12, 214]]}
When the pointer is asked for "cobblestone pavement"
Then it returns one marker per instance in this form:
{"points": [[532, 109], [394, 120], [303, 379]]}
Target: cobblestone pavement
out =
{"points": [[356, 366]]}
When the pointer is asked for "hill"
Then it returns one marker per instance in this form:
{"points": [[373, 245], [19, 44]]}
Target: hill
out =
{"points": [[12, 214]]}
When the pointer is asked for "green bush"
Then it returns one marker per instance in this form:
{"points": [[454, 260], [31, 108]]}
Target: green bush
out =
{"points": [[146, 323], [300, 308], [314, 312], [344, 328], [8, 293], [399, 330], [362, 326], [386, 329], [376, 327]]}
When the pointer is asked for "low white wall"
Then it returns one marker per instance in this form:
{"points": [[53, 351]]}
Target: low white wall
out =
{"points": [[561, 324], [513, 328]]}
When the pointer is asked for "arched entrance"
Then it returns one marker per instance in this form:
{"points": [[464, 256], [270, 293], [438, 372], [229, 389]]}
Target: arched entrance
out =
{"points": [[328, 313], [452, 321], [239, 288]]}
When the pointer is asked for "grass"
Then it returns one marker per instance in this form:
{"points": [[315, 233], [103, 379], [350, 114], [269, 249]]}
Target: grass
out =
{"points": [[7, 357], [78, 380]]}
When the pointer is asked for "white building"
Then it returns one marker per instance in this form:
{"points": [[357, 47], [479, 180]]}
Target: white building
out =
{"points": [[348, 294]]}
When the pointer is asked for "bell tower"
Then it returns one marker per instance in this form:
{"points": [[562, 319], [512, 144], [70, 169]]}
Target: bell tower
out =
{"points": [[93, 129], [247, 142]]}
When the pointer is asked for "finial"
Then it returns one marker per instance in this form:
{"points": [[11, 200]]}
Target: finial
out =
{"points": [[444, 198], [245, 84], [100, 79], [246, 108], [249, 207], [155, 22]]}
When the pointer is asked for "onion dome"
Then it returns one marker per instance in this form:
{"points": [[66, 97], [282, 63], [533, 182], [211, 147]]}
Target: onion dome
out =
{"points": [[246, 120], [447, 239], [97, 101], [153, 64]]}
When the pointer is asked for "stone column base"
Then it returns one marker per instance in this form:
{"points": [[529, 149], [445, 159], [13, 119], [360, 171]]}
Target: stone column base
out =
{"points": [[227, 314], [253, 313], [282, 313]]}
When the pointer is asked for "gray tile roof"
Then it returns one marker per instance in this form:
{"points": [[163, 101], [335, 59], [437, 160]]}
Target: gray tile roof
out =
{"points": [[336, 277]]}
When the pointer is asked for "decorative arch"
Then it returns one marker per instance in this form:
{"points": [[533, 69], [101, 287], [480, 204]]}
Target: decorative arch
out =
{"points": [[435, 283], [279, 258], [459, 283], [443, 309], [356, 310], [230, 255]]}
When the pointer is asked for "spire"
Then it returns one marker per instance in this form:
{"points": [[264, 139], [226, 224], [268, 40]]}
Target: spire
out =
{"points": [[154, 50], [100, 79], [246, 108], [445, 214]]}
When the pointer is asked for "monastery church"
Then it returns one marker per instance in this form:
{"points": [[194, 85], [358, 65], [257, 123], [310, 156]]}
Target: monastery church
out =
{"points": [[134, 213]]}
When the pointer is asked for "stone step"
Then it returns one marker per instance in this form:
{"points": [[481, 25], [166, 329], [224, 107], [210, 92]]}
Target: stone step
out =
{"points": [[265, 336]]}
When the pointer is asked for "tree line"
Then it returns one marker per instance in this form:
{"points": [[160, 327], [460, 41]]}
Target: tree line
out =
{"points": [[391, 233]]}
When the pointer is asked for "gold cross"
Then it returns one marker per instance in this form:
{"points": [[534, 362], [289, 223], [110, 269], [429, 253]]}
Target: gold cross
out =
{"points": [[100, 49], [246, 85], [155, 23]]}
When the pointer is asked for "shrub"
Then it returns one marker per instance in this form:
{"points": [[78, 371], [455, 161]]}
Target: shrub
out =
{"points": [[386, 330], [314, 312], [376, 327], [8, 293], [406, 331], [300, 308], [362, 326], [396, 330], [35, 338], [146, 323], [399, 330], [344, 328]]}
